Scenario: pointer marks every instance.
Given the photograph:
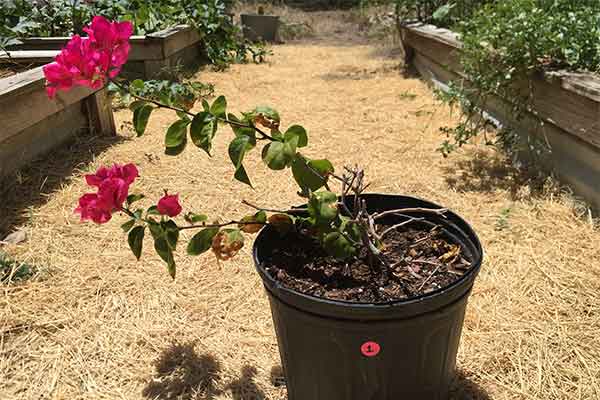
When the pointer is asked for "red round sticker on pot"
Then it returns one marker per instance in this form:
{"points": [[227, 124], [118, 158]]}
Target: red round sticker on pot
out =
{"points": [[370, 349]]}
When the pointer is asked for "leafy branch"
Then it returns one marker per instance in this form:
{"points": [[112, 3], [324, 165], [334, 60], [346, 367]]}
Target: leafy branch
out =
{"points": [[342, 225]]}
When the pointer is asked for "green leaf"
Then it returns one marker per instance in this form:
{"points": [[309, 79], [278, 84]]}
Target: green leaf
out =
{"points": [[152, 210], [171, 233], [242, 176], [182, 115], [351, 229], [176, 134], [311, 175], [278, 155], [268, 112], [192, 218], [205, 106], [298, 132], [165, 252], [135, 240], [202, 131], [238, 130], [140, 118], [137, 84], [237, 149], [128, 225], [336, 245], [132, 198], [202, 241], [219, 107], [261, 217], [137, 104], [322, 206], [175, 151], [442, 12]]}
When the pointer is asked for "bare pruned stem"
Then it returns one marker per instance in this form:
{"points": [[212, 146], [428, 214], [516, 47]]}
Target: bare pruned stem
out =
{"points": [[247, 203], [396, 226], [400, 211]]}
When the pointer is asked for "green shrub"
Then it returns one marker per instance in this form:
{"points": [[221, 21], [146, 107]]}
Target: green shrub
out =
{"points": [[223, 40], [507, 42], [444, 13]]}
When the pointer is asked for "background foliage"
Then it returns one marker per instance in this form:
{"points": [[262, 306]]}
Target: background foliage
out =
{"points": [[223, 40], [445, 13], [505, 44]]}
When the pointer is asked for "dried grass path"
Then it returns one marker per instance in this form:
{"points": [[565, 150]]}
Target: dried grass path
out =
{"points": [[101, 326]]}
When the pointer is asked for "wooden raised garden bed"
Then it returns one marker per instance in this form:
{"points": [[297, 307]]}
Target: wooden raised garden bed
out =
{"points": [[568, 103], [32, 124], [151, 56]]}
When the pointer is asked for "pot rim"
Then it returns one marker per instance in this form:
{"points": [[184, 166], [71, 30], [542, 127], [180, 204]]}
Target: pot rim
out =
{"points": [[415, 305]]}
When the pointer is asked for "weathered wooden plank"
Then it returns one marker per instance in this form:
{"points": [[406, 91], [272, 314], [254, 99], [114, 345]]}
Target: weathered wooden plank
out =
{"points": [[577, 162], [571, 101], [37, 139], [583, 83], [100, 116], [154, 46], [176, 39], [23, 101], [567, 109], [438, 44], [141, 48], [29, 56]]}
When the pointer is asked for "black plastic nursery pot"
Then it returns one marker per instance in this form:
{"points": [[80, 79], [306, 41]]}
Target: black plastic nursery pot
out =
{"points": [[403, 350], [260, 27]]}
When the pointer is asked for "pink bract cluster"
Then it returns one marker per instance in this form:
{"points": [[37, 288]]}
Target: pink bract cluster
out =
{"points": [[169, 205], [92, 60], [113, 188]]}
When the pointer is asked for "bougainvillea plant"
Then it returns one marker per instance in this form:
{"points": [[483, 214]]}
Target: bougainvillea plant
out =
{"points": [[341, 224]]}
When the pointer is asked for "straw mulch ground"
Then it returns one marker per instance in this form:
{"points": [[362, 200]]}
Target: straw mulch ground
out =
{"points": [[96, 324]]}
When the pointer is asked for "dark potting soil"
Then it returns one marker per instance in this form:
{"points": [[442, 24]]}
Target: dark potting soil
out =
{"points": [[419, 262]]}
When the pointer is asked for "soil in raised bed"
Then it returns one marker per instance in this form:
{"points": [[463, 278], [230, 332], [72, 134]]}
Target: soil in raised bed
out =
{"points": [[420, 262], [7, 70]]}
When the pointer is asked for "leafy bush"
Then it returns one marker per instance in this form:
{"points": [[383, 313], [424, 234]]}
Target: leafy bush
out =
{"points": [[507, 42], [223, 40], [444, 13]]}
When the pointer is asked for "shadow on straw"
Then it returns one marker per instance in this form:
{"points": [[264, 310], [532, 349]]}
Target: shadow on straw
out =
{"points": [[464, 388], [245, 388], [31, 186], [485, 172], [182, 374]]}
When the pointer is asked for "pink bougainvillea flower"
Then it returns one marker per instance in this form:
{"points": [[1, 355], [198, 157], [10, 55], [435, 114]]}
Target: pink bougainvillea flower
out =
{"points": [[113, 188], [111, 38], [90, 61], [113, 193], [92, 208], [169, 205], [127, 172]]}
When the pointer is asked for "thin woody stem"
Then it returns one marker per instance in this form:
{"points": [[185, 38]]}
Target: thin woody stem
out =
{"points": [[155, 102], [247, 203], [181, 228], [178, 109], [393, 227], [437, 211], [198, 226]]}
